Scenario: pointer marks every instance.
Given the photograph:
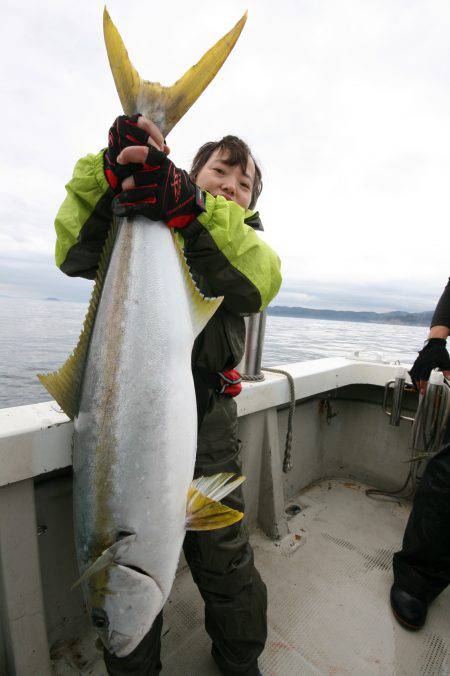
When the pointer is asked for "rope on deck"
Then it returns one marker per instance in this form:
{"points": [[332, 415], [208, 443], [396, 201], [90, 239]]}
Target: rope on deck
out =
{"points": [[287, 465]]}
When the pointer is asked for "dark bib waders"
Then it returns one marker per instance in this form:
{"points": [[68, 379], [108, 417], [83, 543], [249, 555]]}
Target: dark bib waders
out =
{"points": [[422, 567]]}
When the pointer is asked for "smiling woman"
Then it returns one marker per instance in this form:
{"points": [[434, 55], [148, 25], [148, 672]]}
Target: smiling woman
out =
{"points": [[228, 168]]}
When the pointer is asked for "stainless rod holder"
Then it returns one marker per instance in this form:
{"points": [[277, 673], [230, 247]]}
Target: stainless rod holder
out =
{"points": [[398, 388], [250, 364]]}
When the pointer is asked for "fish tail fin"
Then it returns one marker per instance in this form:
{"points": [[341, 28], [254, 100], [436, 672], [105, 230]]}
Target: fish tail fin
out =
{"points": [[204, 511], [164, 105], [65, 384]]}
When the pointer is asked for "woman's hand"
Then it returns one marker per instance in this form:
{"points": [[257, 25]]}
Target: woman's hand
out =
{"points": [[160, 191], [155, 138], [138, 154], [136, 131]]}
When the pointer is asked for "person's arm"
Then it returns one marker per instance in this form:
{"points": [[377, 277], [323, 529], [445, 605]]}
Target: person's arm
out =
{"points": [[434, 354], [236, 263], [439, 332], [440, 323], [84, 219]]}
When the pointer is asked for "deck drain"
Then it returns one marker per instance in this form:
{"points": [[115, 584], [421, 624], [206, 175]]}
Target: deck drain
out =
{"points": [[293, 510], [381, 559]]}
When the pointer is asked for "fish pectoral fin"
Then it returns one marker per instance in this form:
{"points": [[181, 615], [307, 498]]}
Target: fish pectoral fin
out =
{"points": [[106, 558], [204, 511]]}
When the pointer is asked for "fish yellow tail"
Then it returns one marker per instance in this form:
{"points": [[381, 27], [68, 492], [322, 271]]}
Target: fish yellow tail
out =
{"points": [[164, 105]]}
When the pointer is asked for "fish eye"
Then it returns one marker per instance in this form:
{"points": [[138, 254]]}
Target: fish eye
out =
{"points": [[99, 618]]}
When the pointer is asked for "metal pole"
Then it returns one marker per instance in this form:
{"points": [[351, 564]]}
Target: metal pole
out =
{"points": [[254, 342]]}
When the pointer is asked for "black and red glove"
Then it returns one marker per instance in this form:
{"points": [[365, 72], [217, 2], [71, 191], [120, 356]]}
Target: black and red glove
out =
{"points": [[162, 192], [123, 133], [230, 382]]}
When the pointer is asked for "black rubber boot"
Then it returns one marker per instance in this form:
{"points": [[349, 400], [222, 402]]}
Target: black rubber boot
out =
{"points": [[410, 611]]}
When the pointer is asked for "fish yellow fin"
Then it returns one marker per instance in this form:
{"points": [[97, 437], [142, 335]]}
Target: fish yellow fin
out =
{"points": [[64, 385], [204, 511], [201, 307], [164, 105]]}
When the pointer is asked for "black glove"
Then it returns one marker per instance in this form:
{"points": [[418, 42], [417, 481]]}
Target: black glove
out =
{"points": [[162, 192], [433, 355], [123, 133]]}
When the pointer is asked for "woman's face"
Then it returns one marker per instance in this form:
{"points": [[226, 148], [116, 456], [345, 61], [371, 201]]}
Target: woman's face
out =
{"points": [[220, 178]]}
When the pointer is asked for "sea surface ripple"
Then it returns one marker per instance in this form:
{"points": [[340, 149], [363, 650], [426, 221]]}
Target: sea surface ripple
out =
{"points": [[36, 336]]}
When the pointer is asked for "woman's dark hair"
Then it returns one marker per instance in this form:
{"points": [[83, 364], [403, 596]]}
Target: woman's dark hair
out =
{"points": [[238, 153]]}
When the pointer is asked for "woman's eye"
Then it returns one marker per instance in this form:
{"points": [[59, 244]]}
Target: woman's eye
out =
{"points": [[245, 185], [219, 171]]}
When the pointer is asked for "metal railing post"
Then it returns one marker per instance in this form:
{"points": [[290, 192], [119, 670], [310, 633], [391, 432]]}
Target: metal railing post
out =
{"points": [[254, 342]]}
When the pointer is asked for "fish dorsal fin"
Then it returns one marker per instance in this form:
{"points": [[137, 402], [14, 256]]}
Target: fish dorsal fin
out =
{"points": [[201, 307], [64, 385], [204, 511], [164, 105], [107, 557]]}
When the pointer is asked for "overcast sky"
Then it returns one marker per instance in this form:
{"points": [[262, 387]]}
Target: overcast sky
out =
{"points": [[345, 103]]}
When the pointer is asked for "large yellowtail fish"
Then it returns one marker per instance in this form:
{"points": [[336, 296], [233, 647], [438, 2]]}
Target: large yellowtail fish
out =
{"points": [[129, 388]]}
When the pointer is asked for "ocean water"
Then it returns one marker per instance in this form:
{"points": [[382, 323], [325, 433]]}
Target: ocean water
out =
{"points": [[37, 336]]}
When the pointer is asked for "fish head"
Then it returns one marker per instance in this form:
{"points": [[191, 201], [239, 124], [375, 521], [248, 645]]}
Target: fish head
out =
{"points": [[123, 602]]}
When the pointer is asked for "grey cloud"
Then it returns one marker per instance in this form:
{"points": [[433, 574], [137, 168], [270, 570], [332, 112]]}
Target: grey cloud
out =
{"points": [[346, 107], [399, 295], [37, 277]]}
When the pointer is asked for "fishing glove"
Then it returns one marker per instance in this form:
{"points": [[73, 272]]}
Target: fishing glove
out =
{"points": [[433, 355], [230, 382], [162, 192], [123, 133]]}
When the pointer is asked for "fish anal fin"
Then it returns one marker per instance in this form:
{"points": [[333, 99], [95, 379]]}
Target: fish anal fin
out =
{"points": [[201, 308], [204, 512]]}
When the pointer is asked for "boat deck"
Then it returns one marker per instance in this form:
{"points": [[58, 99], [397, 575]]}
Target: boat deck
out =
{"points": [[328, 584]]}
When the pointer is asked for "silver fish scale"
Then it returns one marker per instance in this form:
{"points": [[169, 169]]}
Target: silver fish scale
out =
{"points": [[135, 436]]}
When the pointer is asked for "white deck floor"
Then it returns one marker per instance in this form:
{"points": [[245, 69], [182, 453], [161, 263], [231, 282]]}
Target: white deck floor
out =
{"points": [[328, 589]]}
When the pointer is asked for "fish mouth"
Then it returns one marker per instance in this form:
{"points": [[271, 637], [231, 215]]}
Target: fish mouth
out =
{"points": [[118, 642], [138, 594]]}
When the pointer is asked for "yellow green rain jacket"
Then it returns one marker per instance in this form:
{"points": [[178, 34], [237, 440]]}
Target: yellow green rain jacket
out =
{"points": [[222, 248]]}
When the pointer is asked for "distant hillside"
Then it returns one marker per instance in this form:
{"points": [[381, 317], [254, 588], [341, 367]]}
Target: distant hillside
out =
{"points": [[405, 318]]}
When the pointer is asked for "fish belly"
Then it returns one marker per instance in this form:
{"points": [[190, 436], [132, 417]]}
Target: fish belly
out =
{"points": [[136, 432]]}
